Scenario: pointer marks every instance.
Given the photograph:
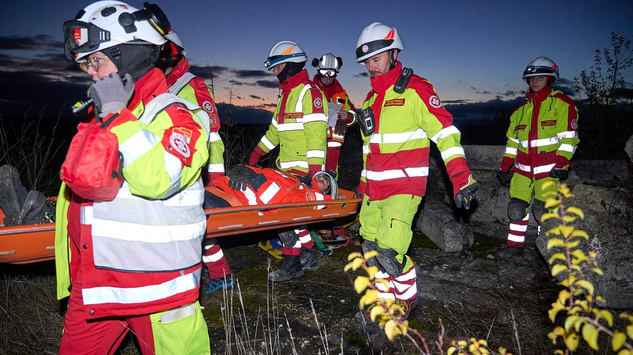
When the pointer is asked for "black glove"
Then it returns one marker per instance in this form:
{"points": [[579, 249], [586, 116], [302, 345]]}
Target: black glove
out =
{"points": [[466, 195], [560, 174], [241, 176], [341, 127], [110, 94], [306, 180], [505, 176]]}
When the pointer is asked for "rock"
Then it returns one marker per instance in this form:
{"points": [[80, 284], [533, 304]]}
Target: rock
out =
{"points": [[437, 222], [484, 157], [609, 223], [628, 149]]}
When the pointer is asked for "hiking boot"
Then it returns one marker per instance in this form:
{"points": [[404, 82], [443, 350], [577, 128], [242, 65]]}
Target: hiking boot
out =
{"points": [[12, 194], [290, 269], [218, 284], [308, 258], [522, 256], [34, 209]]}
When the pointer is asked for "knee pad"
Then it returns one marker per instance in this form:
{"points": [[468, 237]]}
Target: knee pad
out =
{"points": [[288, 238], [387, 260], [538, 209], [517, 210], [367, 247]]}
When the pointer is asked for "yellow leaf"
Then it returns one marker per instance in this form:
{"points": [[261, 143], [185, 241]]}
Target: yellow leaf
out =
{"points": [[565, 191], [586, 285], [555, 242], [563, 296], [353, 256], [370, 254], [625, 315], [569, 219], [625, 352], [371, 271], [557, 256], [559, 352], [462, 344], [555, 231], [590, 333], [547, 184], [618, 340], [383, 282], [361, 283], [606, 315], [573, 244], [597, 271], [547, 216], [577, 211], [355, 264], [376, 311], [502, 351], [592, 254], [571, 341], [571, 321], [451, 350], [392, 329], [368, 298], [552, 336], [579, 255], [556, 307], [558, 268], [629, 331], [580, 233], [566, 230], [551, 203]]}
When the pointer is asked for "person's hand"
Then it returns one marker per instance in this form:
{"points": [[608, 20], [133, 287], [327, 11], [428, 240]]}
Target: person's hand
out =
{"points": [[255, 155], [560, 174], [467, 194], [240, 177], [504, 176], [110, 94], [341, 126], [306, 179]]}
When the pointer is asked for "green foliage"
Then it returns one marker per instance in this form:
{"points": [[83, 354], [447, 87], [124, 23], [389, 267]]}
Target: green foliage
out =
{"points": [[585, 319]]}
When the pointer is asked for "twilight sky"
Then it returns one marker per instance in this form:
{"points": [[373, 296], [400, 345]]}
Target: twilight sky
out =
{"points": [[471, 51]]}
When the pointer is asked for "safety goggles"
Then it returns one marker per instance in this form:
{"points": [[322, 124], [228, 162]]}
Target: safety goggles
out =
{"points": [[82, 37], [94, 62], [276, 59], [327, 72]]}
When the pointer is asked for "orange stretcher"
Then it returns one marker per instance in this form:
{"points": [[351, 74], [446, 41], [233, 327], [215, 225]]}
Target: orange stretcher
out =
{"points": [[35, 243]]}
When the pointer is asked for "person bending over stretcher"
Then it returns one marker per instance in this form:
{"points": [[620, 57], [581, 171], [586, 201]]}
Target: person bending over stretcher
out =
{"points": [[246, 185]]}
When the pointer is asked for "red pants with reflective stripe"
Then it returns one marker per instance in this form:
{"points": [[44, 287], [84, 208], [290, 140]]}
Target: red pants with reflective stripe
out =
{"points": [[213, 258]]}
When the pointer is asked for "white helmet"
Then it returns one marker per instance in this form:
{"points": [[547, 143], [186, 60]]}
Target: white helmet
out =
{"points": [[333, 189], [106, 24], [328, 65], [377, 38], [541, 66], [285, 52]]}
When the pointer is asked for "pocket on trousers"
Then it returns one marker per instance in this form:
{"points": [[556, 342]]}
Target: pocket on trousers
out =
{"points": [[181, 331]]}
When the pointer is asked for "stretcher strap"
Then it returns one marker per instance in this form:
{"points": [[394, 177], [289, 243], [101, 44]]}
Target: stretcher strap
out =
{"points": [[232, 200]]}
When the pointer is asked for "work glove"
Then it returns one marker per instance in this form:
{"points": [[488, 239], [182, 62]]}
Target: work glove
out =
{"points": [[240, 177], [255, 155], [111, 94], [341, 127], [560, 174], [306, 180], [467, 194], [505, 176]]}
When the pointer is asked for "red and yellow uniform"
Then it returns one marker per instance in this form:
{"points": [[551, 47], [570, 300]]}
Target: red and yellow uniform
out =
{"points": [[134, 259], [396, 166], [336, 94]]}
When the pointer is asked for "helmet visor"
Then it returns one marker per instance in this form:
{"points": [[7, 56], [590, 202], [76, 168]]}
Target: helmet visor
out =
{"points": [[534, 70], [327, 72], [82, 37], [277, 59]]}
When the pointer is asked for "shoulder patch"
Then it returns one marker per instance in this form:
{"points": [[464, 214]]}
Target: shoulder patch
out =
{"points": [[574, 124], [318, 103], [435, 102], [207, 106]]}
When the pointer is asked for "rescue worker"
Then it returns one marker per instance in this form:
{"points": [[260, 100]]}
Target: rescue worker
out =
{"points": [[133, 263], [542, 138], [328, 67], [400, 117], [184, 84], [299, 128]]}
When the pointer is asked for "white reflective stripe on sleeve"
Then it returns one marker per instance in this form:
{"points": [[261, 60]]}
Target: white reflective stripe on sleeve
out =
{"points": [[522, 167], [315, 153], [513, 140], [290, 164], [299, 105], [139, 232], [270, 192], [445, 132], [250, 196], [334, 144], [214, 137], [215, 168], [452, 152], [567, 148], [295, 126], [397, 137], [137, 145], [544, 142], [511, 151], [314, 117], [173, 167], [567, 134], [144, 294], [365, 149], [396, 173], [267, 143], [213, 257], [543, 168], [87, 214], [524, 144]]}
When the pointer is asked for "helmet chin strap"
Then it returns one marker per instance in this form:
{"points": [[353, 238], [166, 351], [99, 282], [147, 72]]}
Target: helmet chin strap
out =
{"points": [[391, 60]]}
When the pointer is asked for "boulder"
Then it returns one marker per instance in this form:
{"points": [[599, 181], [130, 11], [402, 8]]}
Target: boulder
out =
{"points": [[437, 222], [484, 157], [628, 149], [609, 223]]}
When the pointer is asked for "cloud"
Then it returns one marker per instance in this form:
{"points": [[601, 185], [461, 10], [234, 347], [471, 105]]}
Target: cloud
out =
{"points": [[211, 72], [269, 84], [247, 74], [37, 42], [565, 85], [256, 97], [361, 75]]}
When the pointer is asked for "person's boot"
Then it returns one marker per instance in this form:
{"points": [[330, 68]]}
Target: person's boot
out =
{"points": [[290, 269], [12, 194], [520, 255], [34, 209], [308, 258]]}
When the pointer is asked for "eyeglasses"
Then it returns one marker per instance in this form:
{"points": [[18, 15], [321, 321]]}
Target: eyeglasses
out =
{"points": [[535, 79], [94, 62]]}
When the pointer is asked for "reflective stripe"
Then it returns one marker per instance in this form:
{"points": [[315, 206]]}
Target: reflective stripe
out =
{"points": [[214, 137], [516, 238], [315, 153], [517, 227], [397, 137], [332, 144], [567, 148], [452, 152], [137, 145], [543, 168], [144, 294], [215, 168], [540, 142], [514, 140], [290, 164], [213, 257], [567, 134], [173, 167], [299, 105], [445, 132], [181, 83], [286, 127], [270, 192], [137, 232], [305, 238], [522, 167], [314, 117], [511, 151], [396, 173], [366, 149], [87, 214], [267, 143], [250, 196]]}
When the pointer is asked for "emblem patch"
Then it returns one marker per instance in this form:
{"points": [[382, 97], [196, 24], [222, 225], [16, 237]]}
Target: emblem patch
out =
{"points": [[318, 103], [364, 48], [574, 124], [395, 102], [207, 106], [435, 102], [179, 143]]}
